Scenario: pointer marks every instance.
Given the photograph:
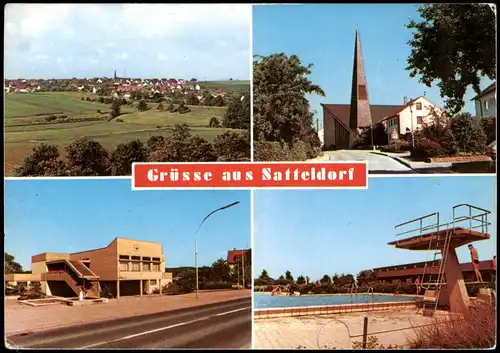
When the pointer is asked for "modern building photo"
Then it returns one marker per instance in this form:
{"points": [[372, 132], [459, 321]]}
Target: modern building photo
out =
{"points": [[88, 255]]}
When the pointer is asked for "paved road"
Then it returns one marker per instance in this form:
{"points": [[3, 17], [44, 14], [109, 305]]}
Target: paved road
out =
{"points": [[221, 325], [377, 164]]}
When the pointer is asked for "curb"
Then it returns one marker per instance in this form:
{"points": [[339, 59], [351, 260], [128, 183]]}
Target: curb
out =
{"points": [[397, 159]]}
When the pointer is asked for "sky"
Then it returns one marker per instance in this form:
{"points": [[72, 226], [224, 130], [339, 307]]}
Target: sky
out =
{"points": [[317, 232], [72, 215], [203, 41], [324, 35]]}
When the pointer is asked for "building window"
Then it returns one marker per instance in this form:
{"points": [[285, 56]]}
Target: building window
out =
{"points": [[156, 259], [418, 106], [124, 257], [146, 258], [486, 105], [152, 282], [156, 267], [136, 266], [136, 258], [146, 267], [419, 120], [123, 266]]}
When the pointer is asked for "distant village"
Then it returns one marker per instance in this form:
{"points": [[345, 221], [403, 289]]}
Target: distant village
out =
{"points": [[116, 87]]}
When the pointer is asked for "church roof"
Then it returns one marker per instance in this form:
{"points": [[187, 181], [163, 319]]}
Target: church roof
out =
{"points": [[378, 112]]}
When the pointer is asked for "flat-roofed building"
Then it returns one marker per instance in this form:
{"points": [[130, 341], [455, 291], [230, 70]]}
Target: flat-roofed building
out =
{"points": [[124, 267]]}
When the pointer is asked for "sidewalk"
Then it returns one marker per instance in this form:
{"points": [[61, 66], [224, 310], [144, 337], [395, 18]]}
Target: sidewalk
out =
{"points": [[404, 159], [21, 318]]}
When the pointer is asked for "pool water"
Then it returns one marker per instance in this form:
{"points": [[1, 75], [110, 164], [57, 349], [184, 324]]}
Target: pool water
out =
{"points": [[266, 301]]}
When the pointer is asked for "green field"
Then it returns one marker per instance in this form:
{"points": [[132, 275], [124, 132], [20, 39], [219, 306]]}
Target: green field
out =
{"points": [[228, 86], [25, 124]]}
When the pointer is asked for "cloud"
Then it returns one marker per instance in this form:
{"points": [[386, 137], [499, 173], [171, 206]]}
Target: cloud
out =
{"points": [[210, 35]]}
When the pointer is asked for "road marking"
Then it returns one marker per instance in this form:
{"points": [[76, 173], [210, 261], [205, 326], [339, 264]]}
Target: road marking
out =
{"points": [[164, 328]]}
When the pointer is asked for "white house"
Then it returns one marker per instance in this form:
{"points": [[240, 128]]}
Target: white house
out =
{"points": [[486, 101], [412, 116]]}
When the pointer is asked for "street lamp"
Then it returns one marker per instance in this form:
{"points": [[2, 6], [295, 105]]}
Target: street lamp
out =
{"points": [[411, 117], [196, 239]]}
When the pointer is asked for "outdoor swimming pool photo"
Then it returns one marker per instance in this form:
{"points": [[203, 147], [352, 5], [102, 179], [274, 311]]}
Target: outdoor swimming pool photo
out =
{"points": [[266, 301]]}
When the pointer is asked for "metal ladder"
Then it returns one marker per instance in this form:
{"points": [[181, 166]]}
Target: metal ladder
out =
{"points": [[354, 293]]}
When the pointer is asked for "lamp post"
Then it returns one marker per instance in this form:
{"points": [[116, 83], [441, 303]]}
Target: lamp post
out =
{"points": [[412, 136], [196, 239]]}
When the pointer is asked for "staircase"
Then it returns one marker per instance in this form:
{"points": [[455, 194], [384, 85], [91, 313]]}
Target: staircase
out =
{"points": [[76, 275]]}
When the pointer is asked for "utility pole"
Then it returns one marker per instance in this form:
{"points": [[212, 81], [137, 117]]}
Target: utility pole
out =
{"points": [[317, 124], [243, 269], [238, 270]]}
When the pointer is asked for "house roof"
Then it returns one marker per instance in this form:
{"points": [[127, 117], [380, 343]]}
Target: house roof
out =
{"points": [[233, 254], [378, 112], [487, 90]]}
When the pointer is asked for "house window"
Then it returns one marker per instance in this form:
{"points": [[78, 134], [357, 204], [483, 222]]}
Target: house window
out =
{"points": [[485, 105], [152, 282], [123, 266], [156, 267], [146, 266], [418, 106], [136, 266], [419, 120]]}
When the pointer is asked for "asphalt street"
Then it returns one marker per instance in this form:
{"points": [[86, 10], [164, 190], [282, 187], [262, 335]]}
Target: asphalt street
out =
{"points": [[222, 325]]}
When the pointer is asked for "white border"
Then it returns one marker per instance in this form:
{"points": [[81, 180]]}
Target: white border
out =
{"points": [[252, 259], [136, 188], [251, 86]]}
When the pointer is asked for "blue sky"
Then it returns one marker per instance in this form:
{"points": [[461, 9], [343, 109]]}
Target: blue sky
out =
{"points": [[75, 215], [313, 232], [324, 36], [207, 42]]}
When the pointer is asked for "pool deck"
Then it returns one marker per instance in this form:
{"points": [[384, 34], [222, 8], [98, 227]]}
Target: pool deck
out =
{"points": [[348, 294], [330, 309], [336, 331]]}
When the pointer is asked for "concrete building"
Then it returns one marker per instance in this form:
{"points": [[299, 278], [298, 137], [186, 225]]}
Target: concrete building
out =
{"points": [[124, 267], [408, 273], [486, 102]]}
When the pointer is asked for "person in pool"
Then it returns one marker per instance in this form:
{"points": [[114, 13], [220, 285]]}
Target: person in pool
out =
{"points": [[475, 262]]}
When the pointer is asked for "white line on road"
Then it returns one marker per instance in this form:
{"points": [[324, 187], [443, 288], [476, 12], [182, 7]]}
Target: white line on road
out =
{"points": [[164, 328]]}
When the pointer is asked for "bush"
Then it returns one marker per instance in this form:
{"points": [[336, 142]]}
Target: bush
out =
{"points": [[214, 122], [142, 106], [50, 118], [475, 329], [270, 151], [99, 111], [468, 133], [488, 124], [396, 146], [212, 286], [425, 149], [232, 146], [449, 143]]}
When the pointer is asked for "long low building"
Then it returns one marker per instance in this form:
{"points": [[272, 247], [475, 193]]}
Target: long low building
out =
{"points": [[124, 267], [408, 273]]}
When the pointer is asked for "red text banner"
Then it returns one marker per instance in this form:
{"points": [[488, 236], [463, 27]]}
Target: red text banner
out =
{"points": [[352, 175]]}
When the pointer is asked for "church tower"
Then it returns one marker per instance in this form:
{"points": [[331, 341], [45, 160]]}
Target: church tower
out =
{"points": [[360, 114], [114, 77]]}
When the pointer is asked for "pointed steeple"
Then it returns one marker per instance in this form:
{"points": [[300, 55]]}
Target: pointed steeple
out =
{"points": [[360, 115]]}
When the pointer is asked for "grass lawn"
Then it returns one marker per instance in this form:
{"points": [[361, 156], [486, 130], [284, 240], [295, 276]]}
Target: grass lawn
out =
{"points": [[227, 86], [20, 137]]}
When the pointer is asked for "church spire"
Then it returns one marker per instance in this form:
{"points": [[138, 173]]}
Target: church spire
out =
{"points": [[360, 114]]}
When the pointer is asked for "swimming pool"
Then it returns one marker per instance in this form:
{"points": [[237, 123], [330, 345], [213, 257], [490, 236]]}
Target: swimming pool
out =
{"points": [[266, 301]]}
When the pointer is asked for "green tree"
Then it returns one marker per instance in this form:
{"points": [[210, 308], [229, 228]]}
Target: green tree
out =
{"points": [[181, 146], [237, 115], [160, 107], [221, 271], [115, 108], [468, 133], [489, 127], [288, 276], [192, 100], [301, 280], [281, 110], [142, 106], [264, 275], [219, 101], [87, 157], [10, 264], [232, 146], [454, 44], [365, 277], [43, 161], [325, 280], [125, 154]]}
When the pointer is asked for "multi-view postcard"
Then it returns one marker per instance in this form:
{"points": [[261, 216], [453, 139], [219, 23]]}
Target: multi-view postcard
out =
{"points": [[239, 176]]}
